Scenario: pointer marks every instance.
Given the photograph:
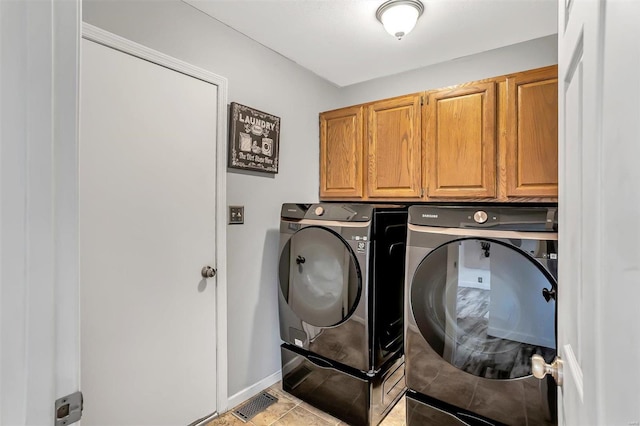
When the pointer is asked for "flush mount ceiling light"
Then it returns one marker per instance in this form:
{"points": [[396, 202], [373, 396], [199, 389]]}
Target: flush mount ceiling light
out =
{"points": [[399, 16]]}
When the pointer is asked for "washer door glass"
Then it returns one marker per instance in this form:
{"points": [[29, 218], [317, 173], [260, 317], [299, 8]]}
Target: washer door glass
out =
{"points": [[319, 277], [481, 305]]}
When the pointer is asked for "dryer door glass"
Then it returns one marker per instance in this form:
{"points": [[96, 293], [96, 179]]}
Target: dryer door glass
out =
{"points": [[319, 277], [482, 305]]}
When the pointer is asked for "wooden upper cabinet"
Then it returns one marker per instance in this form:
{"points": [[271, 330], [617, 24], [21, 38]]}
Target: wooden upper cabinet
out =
{"points": [[393, 133], [532, 133], [460, 129], [341, 153], [489, 140]]}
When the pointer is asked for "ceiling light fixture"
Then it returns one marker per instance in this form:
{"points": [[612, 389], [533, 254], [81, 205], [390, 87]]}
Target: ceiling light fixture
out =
{"points": [[399, 16]]}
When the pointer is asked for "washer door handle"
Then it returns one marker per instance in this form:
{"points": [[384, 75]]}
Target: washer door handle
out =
{"points": [[300, 259], [549, 294]]}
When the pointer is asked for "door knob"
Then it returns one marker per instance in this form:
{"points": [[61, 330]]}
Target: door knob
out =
{"points": [[208, 272], [540, 368]]}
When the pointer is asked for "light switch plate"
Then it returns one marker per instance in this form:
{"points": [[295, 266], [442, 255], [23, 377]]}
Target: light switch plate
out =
{"points": [[236, 215]]}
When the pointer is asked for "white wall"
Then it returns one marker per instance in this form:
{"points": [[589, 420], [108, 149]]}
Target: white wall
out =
{"points": [[262, 79], [518, 57]]}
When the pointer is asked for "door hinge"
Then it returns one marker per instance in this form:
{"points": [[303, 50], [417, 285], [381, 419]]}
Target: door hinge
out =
{"points": [[69, 409], [421, 100]]}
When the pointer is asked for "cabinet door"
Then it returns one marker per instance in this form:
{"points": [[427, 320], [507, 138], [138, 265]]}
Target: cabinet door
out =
{"points": [[532, 133], [393, 150], [341, 153], [461, 141]]}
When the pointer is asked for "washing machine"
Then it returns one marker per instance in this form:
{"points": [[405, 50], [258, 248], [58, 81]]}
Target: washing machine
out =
{"points": [[480, 300], [341, 272]]}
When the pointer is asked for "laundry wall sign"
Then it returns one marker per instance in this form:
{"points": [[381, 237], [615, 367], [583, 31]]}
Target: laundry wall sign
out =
{"points": [[254, 139]]}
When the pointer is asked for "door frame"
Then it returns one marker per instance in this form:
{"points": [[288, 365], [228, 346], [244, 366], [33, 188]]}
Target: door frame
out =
{"points": [[105, 38], [39, 350]]}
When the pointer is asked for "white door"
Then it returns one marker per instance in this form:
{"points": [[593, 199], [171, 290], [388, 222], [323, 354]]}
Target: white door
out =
{"points": [[147, 228], [578, 98], [599, 231]]}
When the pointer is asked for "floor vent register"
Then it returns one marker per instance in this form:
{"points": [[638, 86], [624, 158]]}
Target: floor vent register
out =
{"points": [[254, 406]]}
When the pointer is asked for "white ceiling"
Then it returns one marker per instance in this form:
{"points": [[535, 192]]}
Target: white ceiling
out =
{"points": [[341, 40]]}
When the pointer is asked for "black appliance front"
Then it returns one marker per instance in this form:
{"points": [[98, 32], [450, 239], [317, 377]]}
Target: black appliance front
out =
{"points": [[387, 283], [348, 394], [423, 410], [334, 300], [480, 301]]}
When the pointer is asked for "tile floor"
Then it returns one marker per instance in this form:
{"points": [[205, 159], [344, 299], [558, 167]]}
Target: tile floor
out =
{"points": [[291, 411]]}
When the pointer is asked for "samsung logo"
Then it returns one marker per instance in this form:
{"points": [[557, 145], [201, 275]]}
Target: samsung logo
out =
{"points": [[292, 210], [430, 215]]}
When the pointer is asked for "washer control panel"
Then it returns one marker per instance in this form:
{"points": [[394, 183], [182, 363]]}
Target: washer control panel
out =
{"points": [[328, 211]]}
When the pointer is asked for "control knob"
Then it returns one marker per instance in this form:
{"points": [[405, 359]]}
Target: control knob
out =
{"points": [[319, 211], [480, 216]]}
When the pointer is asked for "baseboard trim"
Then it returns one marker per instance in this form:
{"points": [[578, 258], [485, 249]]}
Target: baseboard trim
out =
{"points": [[254, 389]]}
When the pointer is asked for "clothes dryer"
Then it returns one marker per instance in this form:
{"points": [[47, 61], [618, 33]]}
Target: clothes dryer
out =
{"points": [[480, 300]]}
